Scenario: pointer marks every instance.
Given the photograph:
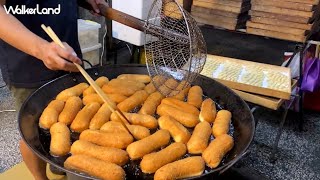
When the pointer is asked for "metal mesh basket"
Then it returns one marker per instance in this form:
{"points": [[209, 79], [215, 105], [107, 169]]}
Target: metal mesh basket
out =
{"points": [[173, 60]]}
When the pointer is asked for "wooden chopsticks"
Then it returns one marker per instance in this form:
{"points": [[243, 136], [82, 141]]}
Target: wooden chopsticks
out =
{"points": [[110, 104]]}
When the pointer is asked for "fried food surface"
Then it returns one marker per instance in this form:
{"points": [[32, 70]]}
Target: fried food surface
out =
{"points": [[217, 149], [186, 124], [95, 167], [149, 144], [184, 168]]}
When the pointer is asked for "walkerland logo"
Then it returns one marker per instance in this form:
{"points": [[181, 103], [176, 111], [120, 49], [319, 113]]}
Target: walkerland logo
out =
{"points": [[37, 10]]}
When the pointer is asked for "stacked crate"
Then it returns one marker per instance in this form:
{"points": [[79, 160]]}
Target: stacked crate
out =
{"points": [[227, 14], [292, 20]]}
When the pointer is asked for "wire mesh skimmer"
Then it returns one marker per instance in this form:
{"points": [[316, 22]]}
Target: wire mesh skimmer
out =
{"points": [[175, 48]]}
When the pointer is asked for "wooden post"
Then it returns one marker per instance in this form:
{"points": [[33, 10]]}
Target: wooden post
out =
{"points": [[187, 5]]}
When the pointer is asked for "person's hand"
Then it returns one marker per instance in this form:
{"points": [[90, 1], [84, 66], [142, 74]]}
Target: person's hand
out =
{"points": [[94, 4], [55, 57]]}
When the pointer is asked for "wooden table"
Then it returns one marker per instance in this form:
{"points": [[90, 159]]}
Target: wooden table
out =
{"points": [[256, 98]]}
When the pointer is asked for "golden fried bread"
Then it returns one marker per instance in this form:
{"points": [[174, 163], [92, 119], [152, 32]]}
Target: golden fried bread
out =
{"points": [[217, 149], [139, 132], [186, 119], [95, 167], [152, 162], [101, 117], [195, 96], [149, 144], [136, 100], [177, 130], [123, 86], [200, 138], [136, 77], [82, 121], [181, 105], [72, 107], [208, 111], [100, 82], [108, 154], [50, 115], [222, 122], [76, 90], [149, 107], [184, 168], [60, 139], [147, 121], [116, 140]]}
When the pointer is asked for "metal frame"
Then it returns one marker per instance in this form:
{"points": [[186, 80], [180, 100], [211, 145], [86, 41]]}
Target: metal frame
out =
{"points": [[134, 56], [280, 129], [299, 48], [109, 43]]}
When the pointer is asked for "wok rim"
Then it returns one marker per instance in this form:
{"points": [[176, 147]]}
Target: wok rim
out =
{"points": [[204, 174]]}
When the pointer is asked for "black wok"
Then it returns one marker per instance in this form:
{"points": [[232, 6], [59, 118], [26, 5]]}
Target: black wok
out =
{"points": [[39, 141]]}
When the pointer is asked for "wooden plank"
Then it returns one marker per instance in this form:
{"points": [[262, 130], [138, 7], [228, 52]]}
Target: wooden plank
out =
{"points": [[277, 28], [285, 4], [224, 2], [216, 65], [271, 103], [314, 2], [213, 17], [297, 19], [268, 102], [277, 22], [217, 23], [222, 7], [248, 88], [277, 35], [214, 11], [283, 11]]}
